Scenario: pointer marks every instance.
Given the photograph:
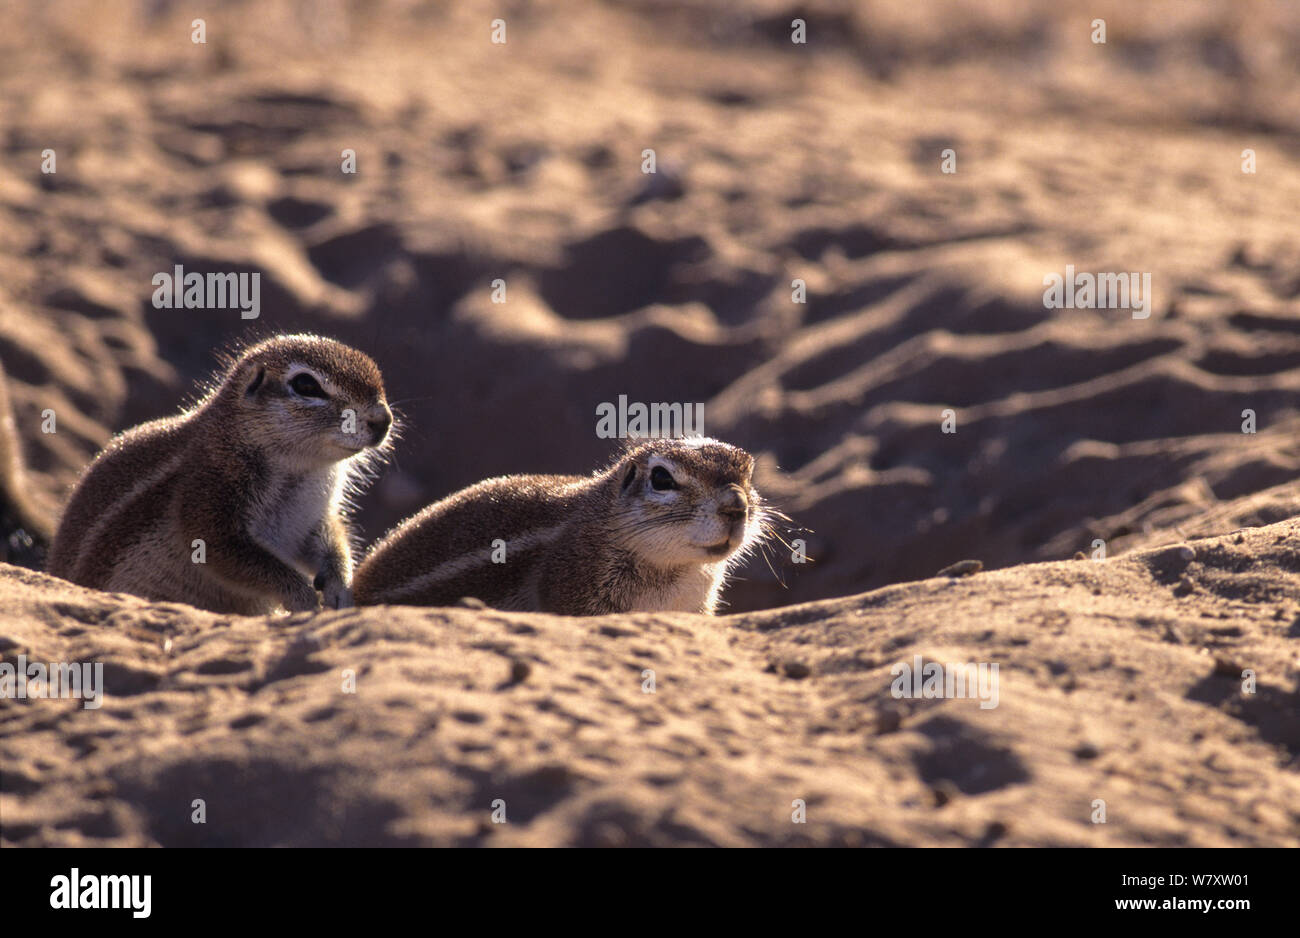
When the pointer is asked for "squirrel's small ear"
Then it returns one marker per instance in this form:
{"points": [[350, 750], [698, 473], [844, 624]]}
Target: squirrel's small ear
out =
{"points": [[257, 382], [630, 477]]}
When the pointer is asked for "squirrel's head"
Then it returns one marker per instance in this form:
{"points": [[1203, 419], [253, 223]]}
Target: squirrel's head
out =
{"points": [[311, 401], [684, 501]]}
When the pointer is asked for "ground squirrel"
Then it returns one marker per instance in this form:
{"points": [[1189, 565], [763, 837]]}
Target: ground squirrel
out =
{"points": [[258, 471], [655, 531]]}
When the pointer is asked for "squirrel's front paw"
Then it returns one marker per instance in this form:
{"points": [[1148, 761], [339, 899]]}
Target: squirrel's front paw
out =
{"points": [[336, 593]]}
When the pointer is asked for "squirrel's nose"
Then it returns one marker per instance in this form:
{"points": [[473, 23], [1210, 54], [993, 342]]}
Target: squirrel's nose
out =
{"points": [[379, 425], [733, 505]]}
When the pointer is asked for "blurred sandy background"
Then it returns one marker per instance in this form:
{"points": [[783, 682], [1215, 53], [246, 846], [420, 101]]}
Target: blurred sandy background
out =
{"points": [[776, 161]]}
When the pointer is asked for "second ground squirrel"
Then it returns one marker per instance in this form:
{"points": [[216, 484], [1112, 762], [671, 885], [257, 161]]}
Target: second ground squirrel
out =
{"points": [[656, 530]]}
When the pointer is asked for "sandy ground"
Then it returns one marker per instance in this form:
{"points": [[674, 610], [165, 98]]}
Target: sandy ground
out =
{"points": [[819, 162], [1119, 681]]}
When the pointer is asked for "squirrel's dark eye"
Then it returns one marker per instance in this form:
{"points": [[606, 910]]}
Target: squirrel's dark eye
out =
{"points": [[661, 480], [304, 385]]}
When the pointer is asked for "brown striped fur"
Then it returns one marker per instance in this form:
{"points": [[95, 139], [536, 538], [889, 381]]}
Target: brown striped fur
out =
{"points": [[579, 545], [256, 470]]}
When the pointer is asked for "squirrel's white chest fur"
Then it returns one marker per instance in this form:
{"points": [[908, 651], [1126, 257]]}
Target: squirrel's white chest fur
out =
{"points": [[286, 521], [695, 590]]}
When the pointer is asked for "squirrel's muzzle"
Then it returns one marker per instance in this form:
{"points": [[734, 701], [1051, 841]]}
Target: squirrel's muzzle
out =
{"points": [[733, 505], [379, 425]]}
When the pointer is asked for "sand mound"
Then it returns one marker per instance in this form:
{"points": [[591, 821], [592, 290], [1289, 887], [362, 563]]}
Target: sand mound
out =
{"points": [[1119, 680]]}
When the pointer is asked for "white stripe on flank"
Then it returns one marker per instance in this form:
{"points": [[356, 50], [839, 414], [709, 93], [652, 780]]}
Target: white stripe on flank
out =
{"points": [[466, 562], [121, 504]]}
